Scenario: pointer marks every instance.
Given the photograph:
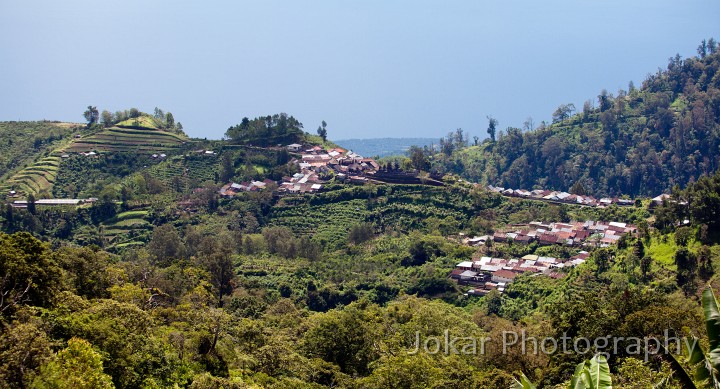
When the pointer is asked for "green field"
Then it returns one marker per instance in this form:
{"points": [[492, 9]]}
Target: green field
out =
{"points": [[143, 121], [127, 229], [35, 179], [117, 139]]}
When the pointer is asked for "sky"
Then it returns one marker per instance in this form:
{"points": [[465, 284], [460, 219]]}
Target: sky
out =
{"points": [[372, 68]]}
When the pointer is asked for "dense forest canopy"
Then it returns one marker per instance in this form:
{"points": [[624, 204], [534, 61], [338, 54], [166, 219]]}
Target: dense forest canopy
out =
{"points": [[266, 130], [640, 141]]}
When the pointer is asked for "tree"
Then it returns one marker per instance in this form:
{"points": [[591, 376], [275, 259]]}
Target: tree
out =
{"points": [[360, 233], [91, 115], [222, 272], [492, 127], [605, 100], [345, 337], [418, 158], [165, 244], [712, 46], [686, 263], [645, 266], [563, 112], [23, 348], [529, 124], [76, 366], [28, 274], [31, 204], [639, 249], [602, 259], [702, 49], [493, 301], [704, 260], [322, 131], [169, 121], [228, 167], [682, 236], [107, 119]]}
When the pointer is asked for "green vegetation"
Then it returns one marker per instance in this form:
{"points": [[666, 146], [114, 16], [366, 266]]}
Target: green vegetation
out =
{"points": [[23, 143], [638, 142], [37, 179], [267, 131], [162, 282], [142, 140]]}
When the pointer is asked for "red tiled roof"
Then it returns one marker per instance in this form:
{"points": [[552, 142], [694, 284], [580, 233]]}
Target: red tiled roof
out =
{"points": [[505, 274]]}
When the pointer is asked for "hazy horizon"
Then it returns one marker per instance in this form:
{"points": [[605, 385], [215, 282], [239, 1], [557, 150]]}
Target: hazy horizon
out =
{"points": [[370, 69]]}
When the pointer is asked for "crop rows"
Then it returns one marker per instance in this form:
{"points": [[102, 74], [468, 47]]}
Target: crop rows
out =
{"points": [[34, 179], [128, 140]]}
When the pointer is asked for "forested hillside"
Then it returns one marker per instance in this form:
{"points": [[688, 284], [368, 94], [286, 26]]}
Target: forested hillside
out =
{"points": [[640, 141], [253, 262]]}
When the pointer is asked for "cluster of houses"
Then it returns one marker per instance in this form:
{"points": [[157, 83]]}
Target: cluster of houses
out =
{"points": [[305, 182], [588, 233], [315, 162], [231, 189], [560, 197], [483, 274], [338, 160]]}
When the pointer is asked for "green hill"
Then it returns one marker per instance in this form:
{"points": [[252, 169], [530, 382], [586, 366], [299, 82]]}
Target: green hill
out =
{"points": [[30, 161], [36, 179], [22, 143], [638, 142], [119, 139]]}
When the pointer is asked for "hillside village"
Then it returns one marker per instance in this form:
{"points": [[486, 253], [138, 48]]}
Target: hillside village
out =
{"points": [[315, 165], [561, 197], [484, 274]]}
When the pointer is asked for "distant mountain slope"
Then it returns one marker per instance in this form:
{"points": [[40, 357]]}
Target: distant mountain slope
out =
{"points": [[384, 147], [30, 162], [640, 142], [22, 143]]}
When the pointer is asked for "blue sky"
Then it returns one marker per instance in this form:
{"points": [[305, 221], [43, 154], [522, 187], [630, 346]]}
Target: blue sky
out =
{"points": [[369, 68]]}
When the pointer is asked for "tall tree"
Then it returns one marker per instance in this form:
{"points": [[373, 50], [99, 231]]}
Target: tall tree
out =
{"points": [[322, 131], [31, 204], [91, 115], [418, 158], [169, 121], [77, 366], [107, 118], [492, 127], [28, 275]]}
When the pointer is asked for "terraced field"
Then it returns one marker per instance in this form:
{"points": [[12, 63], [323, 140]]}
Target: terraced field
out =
{"points": [[117, 139], [328, 222], [127, 229], [329, 216], [34, 179]]}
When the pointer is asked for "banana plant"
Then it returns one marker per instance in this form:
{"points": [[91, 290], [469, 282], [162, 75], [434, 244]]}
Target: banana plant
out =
{"points": [[707, 364], [592, 374], [523, 383]]}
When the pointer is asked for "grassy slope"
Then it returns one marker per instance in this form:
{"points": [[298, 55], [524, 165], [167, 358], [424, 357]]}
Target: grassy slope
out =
{"points": [[117, 139], [18, 141]]}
